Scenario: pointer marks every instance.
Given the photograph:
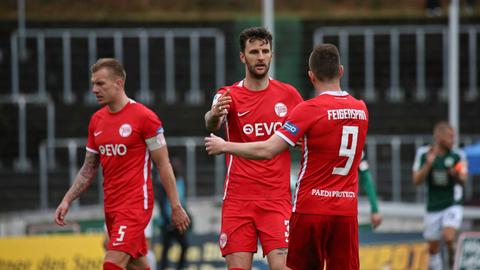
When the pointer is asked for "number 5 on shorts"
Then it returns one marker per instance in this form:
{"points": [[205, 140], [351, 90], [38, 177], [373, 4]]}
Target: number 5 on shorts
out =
{"points": [[121, 232], [345, 151]]}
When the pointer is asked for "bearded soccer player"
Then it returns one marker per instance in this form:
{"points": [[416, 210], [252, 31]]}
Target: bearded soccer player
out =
{"points": [[124, 136], [333, 125], [443, 169], [257, 196]]}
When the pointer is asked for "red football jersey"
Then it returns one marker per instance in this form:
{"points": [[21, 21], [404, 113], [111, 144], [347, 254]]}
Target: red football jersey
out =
{"points": [[255, 116], [119, 139], [333, 126]]}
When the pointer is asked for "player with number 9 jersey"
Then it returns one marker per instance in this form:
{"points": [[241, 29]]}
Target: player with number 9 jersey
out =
{"points": [[333, 127]]}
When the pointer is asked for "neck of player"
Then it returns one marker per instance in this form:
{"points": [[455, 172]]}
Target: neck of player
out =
{"points": [[118, 103], [321, 87], [255, 84]]}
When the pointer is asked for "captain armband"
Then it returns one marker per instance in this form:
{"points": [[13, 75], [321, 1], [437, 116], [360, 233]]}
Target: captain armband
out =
{"points": [[156, 142]]}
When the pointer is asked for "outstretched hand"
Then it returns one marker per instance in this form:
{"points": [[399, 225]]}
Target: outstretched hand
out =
{"points": [[214, 145]]}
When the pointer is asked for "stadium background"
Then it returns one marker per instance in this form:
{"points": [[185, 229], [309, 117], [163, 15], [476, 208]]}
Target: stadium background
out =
{"points": [[176, 54]]}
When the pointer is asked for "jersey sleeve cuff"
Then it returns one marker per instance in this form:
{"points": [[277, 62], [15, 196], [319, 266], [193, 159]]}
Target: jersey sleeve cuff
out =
{"points": [[91, 150], [285, 138]]}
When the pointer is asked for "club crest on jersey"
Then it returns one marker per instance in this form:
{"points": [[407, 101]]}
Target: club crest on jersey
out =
{"points": [[281, 109], [125, 130], [290, 127], [222, 241]]}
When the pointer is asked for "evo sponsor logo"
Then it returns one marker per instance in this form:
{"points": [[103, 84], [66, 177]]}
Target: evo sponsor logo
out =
{"points": [[261, 129], [113, 149]]}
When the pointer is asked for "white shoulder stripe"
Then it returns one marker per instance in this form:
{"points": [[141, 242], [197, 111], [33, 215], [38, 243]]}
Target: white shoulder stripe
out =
{"points": [[285, 138], [92, 150]]}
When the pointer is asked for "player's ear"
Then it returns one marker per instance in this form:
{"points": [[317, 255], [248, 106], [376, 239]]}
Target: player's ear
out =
{"points": [[242, 57], [312, 77], [340, 71], [120, 83]]}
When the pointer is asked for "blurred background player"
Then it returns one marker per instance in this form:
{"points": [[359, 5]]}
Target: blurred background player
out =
{"points": [[333, 125], [169, 232], [444, 171], [365, 181], [124, 136], [257, 197]]}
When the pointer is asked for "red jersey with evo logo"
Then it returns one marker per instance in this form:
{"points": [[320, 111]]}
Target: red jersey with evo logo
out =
{"points": [[119, 139], [255, 116], [333, 126]]}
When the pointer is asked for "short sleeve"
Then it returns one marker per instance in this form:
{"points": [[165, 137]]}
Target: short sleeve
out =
{"points": [[91, 146], [296, 124], [152, 125]]}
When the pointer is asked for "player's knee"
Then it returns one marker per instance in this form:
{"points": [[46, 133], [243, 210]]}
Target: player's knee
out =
{"points": [[111, 266]]}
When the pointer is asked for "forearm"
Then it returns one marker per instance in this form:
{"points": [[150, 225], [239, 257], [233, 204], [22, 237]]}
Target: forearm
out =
{"points": [[251, 150], [167, 179], [82, 181], [212, 123], [420, 175]]}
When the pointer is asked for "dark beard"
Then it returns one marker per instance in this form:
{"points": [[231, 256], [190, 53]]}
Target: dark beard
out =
{"points": [[251, 70]]}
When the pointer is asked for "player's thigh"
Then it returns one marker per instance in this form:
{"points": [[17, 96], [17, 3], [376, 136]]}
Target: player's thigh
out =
{"points": [[238, 232], [452, 217], [303, 253], [433, 225], [126, 231], [342, 246], [272, 219], [117, 257], [239, 260], [277, 259], [140, 263]]}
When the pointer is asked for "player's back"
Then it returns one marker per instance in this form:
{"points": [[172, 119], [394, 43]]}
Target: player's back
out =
{"points": [[333, 145]]}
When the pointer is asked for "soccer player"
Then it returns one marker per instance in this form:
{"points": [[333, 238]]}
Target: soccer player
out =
{"points": [[124, 136], [333, 125], [365, 181], [444, 171], [257, 196]]}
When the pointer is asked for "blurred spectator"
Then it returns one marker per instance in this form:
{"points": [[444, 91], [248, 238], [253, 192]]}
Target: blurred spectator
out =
{"points": [[469, 7], [169, 232], [432, 8]]}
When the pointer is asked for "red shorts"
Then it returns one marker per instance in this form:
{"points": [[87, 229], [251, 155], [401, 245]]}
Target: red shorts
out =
{"points": [[126, 231], [316, 240], [244, 222]]}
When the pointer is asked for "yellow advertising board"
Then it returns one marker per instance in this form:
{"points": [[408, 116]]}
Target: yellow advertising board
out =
{"points": [[52, 252], [85, 252]]}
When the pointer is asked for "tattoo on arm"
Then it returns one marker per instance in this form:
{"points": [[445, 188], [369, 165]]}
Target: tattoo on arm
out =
{"points": [[85, 176]]}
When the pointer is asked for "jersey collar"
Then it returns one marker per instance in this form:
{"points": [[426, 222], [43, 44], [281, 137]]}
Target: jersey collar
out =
{"points": [[335, 93]]}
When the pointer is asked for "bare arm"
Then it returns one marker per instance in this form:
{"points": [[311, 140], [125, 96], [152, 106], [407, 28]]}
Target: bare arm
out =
{"points": [[83, 180], [419, 175], [216, 115], [252, 150], [162, 162]]}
